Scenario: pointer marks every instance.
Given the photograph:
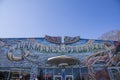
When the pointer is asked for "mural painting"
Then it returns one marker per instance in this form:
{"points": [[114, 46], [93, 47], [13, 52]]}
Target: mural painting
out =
{"points": [[96, 55]]}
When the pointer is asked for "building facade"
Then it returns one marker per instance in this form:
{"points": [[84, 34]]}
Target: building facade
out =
{"points": [[49, 58]]}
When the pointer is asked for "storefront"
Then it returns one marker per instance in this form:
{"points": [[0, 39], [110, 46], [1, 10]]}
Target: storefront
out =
{"points": [[51, 59], [64, 73]]}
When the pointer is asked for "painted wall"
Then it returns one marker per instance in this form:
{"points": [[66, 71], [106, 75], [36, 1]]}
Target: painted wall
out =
{"points": [[97, 55]]}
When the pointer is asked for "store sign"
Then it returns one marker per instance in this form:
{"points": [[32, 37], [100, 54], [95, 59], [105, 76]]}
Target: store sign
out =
{"points": [[62, 48]]}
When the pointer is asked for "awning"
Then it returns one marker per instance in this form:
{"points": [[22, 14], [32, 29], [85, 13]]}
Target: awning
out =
{"points": [[63, 60]]}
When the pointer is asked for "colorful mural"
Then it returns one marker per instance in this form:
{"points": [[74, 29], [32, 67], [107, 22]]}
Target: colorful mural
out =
{"points": [[96, 55]]}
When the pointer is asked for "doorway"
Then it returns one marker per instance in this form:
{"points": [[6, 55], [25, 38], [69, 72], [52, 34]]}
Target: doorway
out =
{"points": [[57, 77], [68, 77]]}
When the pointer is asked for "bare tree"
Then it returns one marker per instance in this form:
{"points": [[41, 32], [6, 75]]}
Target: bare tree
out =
{"points": [[113, 35]]}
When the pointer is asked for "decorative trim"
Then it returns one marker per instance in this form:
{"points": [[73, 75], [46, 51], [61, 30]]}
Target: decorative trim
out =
{"points": [[56, 40], [70, 40]]}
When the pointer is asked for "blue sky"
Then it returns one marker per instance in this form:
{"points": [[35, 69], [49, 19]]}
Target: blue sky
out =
{"points": [[37, 18]]}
